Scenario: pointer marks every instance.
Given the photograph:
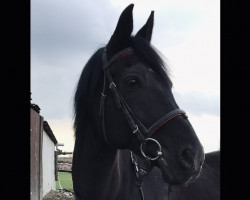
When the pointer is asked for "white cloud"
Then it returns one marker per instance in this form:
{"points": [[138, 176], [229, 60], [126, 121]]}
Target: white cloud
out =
{"points": [[198, 103], [195, 63], [207, 128]]}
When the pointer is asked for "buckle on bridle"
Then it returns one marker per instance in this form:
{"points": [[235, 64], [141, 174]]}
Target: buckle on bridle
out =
{"points": [[112, 84], [159, 152], [136, 129], [103, 95]]}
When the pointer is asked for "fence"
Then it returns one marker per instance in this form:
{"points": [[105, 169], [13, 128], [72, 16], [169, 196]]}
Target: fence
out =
{"points": [[64, 164]]}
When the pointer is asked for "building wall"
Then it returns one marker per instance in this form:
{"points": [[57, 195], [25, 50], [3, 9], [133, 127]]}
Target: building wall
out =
{"points": [[48, 162], [36, 122]]}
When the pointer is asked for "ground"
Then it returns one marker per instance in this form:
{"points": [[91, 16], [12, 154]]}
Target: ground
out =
{"points": [[59, 195]]}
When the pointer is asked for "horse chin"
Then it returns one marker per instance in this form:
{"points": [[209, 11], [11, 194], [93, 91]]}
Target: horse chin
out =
{"points": [[176, 180]]}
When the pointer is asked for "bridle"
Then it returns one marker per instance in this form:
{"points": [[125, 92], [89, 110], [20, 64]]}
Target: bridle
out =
{"points": [[144, 135]]}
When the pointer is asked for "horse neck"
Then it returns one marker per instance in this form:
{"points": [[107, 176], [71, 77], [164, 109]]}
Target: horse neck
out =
{"points": [[102, 173]]}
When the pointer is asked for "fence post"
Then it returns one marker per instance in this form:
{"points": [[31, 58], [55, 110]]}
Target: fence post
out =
{"points": [[56, 161]]}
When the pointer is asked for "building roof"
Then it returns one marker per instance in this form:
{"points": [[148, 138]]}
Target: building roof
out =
{"points": [[35, 107], [49, 132]]}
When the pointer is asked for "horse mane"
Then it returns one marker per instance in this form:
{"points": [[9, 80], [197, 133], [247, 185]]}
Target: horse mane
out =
{"points": [[92, 71], [85, 88]]}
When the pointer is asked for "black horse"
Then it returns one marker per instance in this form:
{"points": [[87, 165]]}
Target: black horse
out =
{"points": [[131, 138]]}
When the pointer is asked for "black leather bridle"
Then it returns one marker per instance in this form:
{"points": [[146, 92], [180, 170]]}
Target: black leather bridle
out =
{"points": [[144, 135]]}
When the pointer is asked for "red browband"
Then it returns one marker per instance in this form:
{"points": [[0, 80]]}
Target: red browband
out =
{"points": [[131, 52]]}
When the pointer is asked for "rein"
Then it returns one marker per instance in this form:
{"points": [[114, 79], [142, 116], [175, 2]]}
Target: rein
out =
{"points": [[144, 135]]}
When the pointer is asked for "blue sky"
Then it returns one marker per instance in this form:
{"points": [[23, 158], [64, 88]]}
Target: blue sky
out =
{"points": [[64, 34]]}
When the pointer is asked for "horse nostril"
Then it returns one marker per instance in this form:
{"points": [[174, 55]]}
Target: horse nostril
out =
{"points": [[186, 158]]}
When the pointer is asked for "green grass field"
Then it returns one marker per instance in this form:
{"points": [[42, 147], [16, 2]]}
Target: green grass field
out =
{"points": [[65, 180]]}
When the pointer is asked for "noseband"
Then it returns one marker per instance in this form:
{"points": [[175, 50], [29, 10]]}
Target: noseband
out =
{"points": [[144, 135]]}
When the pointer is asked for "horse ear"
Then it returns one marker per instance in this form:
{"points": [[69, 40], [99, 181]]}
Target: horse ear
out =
{"points": [[146, 31], [122, 31]]}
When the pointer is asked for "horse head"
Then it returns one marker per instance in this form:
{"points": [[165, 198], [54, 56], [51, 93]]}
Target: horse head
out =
{"points": [[137, 81]]}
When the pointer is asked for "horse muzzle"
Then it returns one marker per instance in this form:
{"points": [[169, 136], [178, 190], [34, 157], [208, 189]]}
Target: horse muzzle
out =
{"points": [[189, 165]]}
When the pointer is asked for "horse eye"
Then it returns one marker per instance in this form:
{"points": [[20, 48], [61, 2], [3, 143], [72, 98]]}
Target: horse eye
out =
{"points": [[132, 83]]}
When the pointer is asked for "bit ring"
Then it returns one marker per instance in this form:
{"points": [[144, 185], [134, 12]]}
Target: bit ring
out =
{"points": [[159, 152]]}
